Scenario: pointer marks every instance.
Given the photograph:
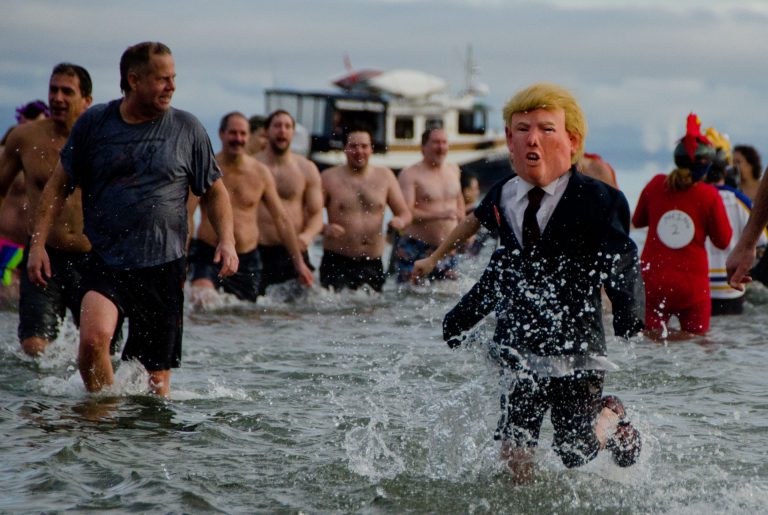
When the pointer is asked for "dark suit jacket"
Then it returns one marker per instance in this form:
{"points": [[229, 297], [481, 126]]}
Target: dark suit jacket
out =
{"points": [[547, 298]]}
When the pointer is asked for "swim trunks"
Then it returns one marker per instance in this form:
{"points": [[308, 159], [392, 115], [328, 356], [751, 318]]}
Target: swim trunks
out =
{"points": [[41, 309], [277, 266], [243, 284], [575, 402], [153, 300], [338, 271], [409, 250], [11, 255]]}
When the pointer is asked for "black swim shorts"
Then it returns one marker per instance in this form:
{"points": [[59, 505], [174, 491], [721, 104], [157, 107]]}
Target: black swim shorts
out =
{"points": [[277, 266], [338, 271], [41, 310], [244, 284], [153, 300], [575, 404]]}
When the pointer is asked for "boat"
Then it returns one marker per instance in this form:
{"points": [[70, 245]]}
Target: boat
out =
{"points": [[396, 106]]}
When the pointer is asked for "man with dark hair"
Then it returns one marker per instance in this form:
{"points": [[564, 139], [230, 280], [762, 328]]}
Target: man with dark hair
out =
{"points": [[257, 141], [249, 183], [136, 158], [356, 195], [432, 191], [298, 184], [33, 148]]}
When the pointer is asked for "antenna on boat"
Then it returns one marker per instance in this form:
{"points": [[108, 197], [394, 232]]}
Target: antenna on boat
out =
{"points": [[471, 70]]}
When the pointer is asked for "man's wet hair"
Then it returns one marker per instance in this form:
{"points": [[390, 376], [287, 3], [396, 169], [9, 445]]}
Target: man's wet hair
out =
{"points": [[136, 59], [276, 113], [225, 119], [428, 132], [357, 129], [257, 122], [75, 70]]}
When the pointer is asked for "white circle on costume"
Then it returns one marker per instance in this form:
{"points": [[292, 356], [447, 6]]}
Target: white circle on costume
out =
{"points": [[675, 229]]}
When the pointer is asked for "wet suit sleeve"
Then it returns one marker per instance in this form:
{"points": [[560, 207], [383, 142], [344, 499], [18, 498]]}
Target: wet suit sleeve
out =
{"points": [[623, 284], [473, 306]]}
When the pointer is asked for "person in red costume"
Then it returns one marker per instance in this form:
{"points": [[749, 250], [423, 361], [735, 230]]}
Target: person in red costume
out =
{"points": [[680, 211]]}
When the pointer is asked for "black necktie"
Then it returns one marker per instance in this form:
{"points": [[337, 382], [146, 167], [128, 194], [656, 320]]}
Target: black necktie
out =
{"points": [[531, 231]]}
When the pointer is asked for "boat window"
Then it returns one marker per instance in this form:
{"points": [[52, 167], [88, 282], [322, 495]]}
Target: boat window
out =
{"points": [[404, 127], [434, 123], [473, 122], [344, 120], [285, 101], [312, 113]]}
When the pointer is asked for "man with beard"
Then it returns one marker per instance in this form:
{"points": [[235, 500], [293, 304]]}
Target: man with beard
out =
{"points": [[432, 191], [248, 183], [356, 195], [299, 186], [33, 148]]}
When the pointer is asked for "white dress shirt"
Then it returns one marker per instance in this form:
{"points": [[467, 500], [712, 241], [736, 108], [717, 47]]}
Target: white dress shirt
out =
{"points": [[514, 200]]}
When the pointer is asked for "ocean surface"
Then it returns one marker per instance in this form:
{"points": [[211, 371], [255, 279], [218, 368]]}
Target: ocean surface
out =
{"points": [[351, 403]]}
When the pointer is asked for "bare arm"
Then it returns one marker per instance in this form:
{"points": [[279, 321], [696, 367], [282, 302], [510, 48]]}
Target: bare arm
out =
{"points": [[284, 228], [742, 256], [401, 214], [51, 203], [10, 165], [461, 233], [215, 201], [313, 208]]}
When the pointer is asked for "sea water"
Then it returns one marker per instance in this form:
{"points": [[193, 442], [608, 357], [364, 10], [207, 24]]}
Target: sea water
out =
{"points": [[350, 402]]}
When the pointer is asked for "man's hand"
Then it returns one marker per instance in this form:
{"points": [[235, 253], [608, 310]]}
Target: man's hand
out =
{"points": [[396, 223], [38, 265], [304, 241], [333, 230], [305, 274], [422, 268], [227, 256], [738, 265]]}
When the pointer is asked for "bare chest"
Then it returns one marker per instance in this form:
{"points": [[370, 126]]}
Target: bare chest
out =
{"points": [[38, 161], [436, 189], [358, 197], [290, 182]]}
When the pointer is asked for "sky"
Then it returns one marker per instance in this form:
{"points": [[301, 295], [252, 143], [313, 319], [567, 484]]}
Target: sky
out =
{"points": [[638, 68]]}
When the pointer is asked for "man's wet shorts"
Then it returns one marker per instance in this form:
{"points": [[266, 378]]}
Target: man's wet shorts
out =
{"points": [[277, 266], [575, 404], [11, 255], [338, 271], [409, 250], [153, 300], [244, 284], [41, 309]]}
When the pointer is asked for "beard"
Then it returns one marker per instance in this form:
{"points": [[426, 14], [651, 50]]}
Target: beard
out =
{"points": [[278, 151]]}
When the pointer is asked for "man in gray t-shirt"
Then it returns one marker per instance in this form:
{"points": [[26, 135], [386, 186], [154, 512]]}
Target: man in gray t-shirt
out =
{"points": [[136, 160]]}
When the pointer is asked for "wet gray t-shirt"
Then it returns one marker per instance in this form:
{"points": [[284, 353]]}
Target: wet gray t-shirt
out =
{"points": [[135, 181]]}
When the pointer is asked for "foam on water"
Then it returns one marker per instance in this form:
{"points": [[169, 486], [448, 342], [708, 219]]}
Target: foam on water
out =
{"points": [[350, 402]]}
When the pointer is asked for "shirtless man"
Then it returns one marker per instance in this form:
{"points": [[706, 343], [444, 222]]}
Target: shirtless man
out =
{"points": [[432, 191], [298, 184], [257, 141], [248, 183], [34, 149], [13, 216], [356, 195]]}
